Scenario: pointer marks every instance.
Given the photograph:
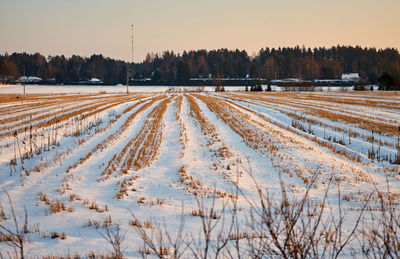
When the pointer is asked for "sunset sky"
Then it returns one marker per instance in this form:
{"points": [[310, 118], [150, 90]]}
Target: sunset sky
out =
{"points": [[85, 27]]}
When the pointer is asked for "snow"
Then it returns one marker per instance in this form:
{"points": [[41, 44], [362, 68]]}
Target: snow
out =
{"points": [[96, 89], [157, 192], [88, 89]]}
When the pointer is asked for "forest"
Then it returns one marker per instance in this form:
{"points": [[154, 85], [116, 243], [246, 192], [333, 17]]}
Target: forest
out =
{"points": [[170, 68]]}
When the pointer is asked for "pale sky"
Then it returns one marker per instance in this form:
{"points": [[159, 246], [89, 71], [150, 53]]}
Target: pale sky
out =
{"points": [[86, 27]]}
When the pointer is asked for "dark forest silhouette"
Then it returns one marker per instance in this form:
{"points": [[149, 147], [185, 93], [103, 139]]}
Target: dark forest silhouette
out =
{"points": [[172, 68]]}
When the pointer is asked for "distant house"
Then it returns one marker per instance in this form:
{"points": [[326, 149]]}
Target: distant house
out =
{"points": [[95, 81], [140, 80], [286, 80], [51, 80], [29, 79], [92, 81], [351, 76]]}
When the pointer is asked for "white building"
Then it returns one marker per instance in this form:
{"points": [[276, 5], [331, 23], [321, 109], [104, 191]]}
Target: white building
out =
{"points": [[29, 79], [286, 80], [95, 81], [351, 76]]}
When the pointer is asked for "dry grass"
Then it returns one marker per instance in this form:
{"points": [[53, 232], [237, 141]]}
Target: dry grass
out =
{"points": [[259, 136], [105, 222], [374, 100], [236, 120], [183, 138], [113, 163], [141, 150], [344, 114], [144, 147], [103, 145], [197, 188], [41, 140], [51, 122], [48, 120], [91, 255], [359, 175], [208, 130], [54, 206], [125, 186]]}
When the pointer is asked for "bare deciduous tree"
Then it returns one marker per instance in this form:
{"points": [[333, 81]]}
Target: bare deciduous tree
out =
{"points": [[115, 238], [17, 237], [160, 241]]}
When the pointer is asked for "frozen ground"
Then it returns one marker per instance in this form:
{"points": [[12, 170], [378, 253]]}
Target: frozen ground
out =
{"points": [[83, 160], [81, 89]]}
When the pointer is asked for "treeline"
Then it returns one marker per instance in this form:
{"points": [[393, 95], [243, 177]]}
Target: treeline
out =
{"points": [[172, 68], [61, 69]]}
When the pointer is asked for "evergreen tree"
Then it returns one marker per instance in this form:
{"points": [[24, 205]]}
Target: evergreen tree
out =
{"points": [[317, 63], [254, 71], [183, 72], [386, 82]]}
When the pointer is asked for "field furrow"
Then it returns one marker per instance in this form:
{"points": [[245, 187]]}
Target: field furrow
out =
{"points": [[81, 164], [286, 150]]}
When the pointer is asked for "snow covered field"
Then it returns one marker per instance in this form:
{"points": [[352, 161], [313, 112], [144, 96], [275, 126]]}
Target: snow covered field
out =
{"points": [[120, 89], [95, 89], [82, 162]]}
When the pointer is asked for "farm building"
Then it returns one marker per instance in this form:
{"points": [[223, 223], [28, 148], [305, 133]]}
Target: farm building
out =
{"points": [[351, 76]]}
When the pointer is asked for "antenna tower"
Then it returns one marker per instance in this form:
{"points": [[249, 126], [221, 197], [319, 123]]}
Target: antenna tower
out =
{"points": [[132, 41], [127, 65]]}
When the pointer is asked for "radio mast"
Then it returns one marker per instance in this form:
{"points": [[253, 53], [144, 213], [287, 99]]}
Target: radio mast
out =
{"points": [[127, 65], [24, 79], [132, 41]]}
